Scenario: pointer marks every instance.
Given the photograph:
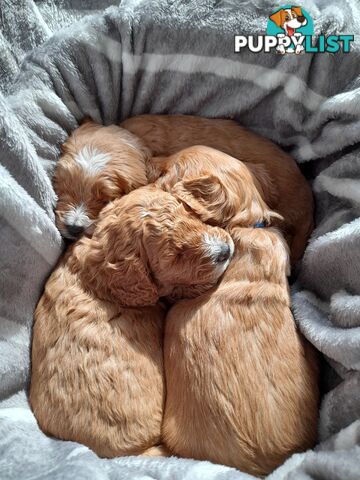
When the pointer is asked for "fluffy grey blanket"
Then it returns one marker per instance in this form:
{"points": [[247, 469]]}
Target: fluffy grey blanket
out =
{"points": [[178, 56]]}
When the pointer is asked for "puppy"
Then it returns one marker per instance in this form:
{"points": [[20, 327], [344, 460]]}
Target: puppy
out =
{"points": [[97, 359], [215, 183], [99, 164], [282, 185], [241, 381]]}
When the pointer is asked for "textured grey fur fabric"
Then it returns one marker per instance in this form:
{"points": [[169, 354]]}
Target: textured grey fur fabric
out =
{"points": [[158, 56], [25, 24]]}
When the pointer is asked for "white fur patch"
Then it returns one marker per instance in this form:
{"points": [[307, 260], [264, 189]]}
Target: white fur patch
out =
{"points": [[77, 216], [213, 247], [92, 160], [144, 213]]}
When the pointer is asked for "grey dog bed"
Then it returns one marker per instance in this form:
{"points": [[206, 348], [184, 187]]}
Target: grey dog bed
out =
{"points": [[158, 56]]}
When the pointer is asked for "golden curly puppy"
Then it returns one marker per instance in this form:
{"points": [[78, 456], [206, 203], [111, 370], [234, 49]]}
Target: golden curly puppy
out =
{"points": [[242, 383], [97, 359], [98, 164], [220, 189], [283, 186]]}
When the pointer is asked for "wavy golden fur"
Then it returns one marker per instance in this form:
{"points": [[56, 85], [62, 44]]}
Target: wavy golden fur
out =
{"points": [[282, 185], [98, 164], [129, 148], [97, 365], [241, 380], [218, 188]]}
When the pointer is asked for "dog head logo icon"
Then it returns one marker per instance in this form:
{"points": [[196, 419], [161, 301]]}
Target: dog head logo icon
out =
{"points": [[292, 22], [289, 19]]}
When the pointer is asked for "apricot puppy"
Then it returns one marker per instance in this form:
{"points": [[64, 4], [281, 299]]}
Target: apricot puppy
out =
{"points": [[281, 183], [97, 357], [98, 164], [242, 383]]}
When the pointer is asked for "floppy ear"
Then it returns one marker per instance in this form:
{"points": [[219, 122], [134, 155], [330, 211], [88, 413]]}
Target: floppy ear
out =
{"points": [[298, 11], [207, 197], [277, 17], [113, 185], [264, 183], [126, 281], [156, 167], [216, 205]]}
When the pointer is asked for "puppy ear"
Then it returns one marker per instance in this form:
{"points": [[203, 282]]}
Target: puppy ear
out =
{"points": [[112, 185], [156, 167], [217, 205], [277, 18], [264, 183], [298, 11], [207, 197], [125, 281], [128, 283]]}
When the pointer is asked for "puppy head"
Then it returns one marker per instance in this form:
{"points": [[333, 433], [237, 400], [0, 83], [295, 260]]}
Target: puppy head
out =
{"points": [[98, 165], [292, 17], [145, 245], [184, 253], [220, 189]]}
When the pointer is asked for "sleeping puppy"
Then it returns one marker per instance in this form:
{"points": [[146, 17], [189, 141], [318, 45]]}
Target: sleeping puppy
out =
{"points": [[97, 358], [282, 185], [98, 164], [241, 381], [216, 184]]}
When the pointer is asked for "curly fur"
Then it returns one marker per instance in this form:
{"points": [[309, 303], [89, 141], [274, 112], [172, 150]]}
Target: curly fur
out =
{"points": [[214, 185], [280, 181], [97, 365], [241, 380], [76, 186]]}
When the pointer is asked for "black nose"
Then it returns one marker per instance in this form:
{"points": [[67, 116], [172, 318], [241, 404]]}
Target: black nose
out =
{"points": [[301, 19], [74, 230], [224, 253]]}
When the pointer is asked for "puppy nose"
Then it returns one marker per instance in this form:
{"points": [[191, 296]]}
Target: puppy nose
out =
{"points": [[301, 19], [224, 253], [74, 230]]}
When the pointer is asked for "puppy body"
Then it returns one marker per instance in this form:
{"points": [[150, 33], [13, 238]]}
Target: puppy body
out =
{"points": [[97, 362], [282, 185], [241, 382], [96, 368]]}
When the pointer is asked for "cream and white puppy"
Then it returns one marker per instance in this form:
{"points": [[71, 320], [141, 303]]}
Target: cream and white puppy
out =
{"points": [[98, 165]]}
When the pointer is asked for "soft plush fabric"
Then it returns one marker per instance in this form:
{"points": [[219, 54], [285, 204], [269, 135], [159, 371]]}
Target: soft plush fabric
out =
{"points": [[158, 56]]}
